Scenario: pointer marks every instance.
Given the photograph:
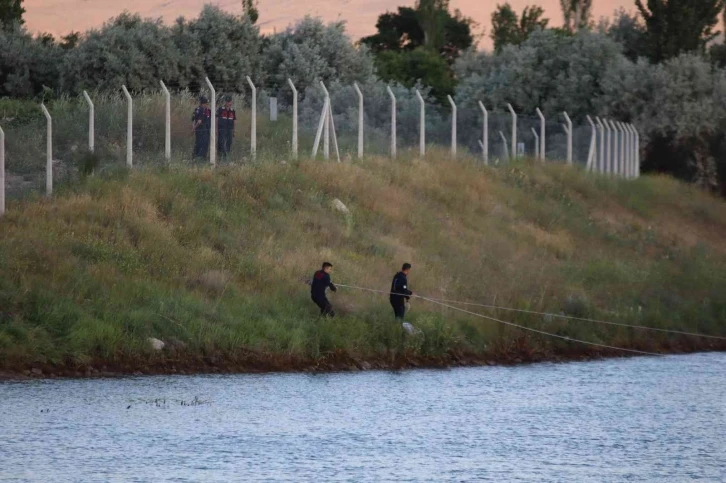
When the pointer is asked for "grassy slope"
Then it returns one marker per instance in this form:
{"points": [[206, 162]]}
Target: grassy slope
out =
{"points": [[87, 277]]}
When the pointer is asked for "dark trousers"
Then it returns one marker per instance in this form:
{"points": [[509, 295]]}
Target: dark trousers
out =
{"points": [[326, 309], [399, 309], [224, 144], [201, 143]]}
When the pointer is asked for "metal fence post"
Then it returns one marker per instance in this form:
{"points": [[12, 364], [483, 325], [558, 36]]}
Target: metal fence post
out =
{"points": [[536, 143], [253, 128], [294, 118], [614, 154], [593, 145], [569, 138], [608, 146], [213, 130], [422, 125], [129, 129], [330, 123], [514, 130], [326, 124], [506, 148], [48, 152], [453, 127], [393, 121], [321, 123], [167, 121], [485, 134], [628, 151], [542, 136], [637, 152], [91, 122], [632, 150], [601, 158], [621, 161], [2, 172], [360, 120]]}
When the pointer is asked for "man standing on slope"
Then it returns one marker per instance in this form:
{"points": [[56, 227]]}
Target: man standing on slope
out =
{"points": [[226, 116], [321, 282], [202, 127], [400, 292]]}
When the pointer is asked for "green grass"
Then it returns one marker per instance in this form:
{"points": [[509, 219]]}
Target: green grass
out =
{"points": [[215, 259]]}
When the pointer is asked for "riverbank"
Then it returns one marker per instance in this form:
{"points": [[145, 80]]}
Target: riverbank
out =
{"points": [[213, 264]]}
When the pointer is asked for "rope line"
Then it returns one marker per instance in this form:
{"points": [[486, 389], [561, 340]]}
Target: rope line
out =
{"points": [[444, 302]]}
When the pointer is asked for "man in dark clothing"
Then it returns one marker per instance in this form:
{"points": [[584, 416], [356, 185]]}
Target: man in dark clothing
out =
{"points": [[400, 292], [202, 126], [321, 282], [226, 116]]}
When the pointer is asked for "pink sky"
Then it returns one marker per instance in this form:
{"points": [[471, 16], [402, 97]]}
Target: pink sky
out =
{"points": [[62, 16]]}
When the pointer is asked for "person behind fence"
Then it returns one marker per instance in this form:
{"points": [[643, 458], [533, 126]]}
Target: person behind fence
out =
{"points": [[400, 292], [226, 116], [202, 126], [321, 282]]}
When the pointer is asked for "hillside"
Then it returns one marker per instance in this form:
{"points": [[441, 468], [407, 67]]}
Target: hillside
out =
{"points": [[214, 264]]}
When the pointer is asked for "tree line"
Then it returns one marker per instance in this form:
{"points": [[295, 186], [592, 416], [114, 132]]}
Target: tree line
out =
{"points": [[661, 68]]}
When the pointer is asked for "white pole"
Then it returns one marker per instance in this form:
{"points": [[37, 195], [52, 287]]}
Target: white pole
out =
{"points": [[323, 116], [48, 152], [628, 143], [326, 125], [536, 143], [514, 130], [453, 127], [485, 134], [614, 160], [360, 120], [504, 140], [393, 121], [593, 145], [631, 150], [608, 146], [129, 129], [253, 128], [542, 136], [601, 158], [637, 152], [422, 125], [213, 130], [2, 172], [569, 138], [91, 122], [167, 121], [623, 144], [294, 118]]}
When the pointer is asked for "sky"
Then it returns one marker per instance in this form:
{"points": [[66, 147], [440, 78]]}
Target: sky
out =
{"points": [[62, 16]]}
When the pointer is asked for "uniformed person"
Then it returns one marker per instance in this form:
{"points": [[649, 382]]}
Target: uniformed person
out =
{"points": [[226, 116], [321, 282], [400, 292], [202, 126]]}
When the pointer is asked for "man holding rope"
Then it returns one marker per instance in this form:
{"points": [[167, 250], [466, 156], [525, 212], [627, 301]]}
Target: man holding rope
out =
{"points": [[400, 292], [321, 282]]}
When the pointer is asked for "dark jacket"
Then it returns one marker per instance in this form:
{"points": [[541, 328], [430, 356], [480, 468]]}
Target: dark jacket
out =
{"points": [[399, 289], [225, 119], [203, 114], [321, 281]]}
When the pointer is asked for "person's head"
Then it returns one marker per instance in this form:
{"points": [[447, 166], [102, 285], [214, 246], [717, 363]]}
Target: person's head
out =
{"points": [[327, 267], [228, 101], [203, 101], [406, 268]]}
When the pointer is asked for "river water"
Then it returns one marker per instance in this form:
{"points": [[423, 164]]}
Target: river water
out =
{"points": [[639, 419]]}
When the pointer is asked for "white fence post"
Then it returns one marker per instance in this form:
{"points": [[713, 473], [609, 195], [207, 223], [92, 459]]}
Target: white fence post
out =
{"points": [[453, 127], [569, 138], [514, 130], [167, 121], [213, 130], [91, 122], [360, 120], [294, 118], [48, 152], [2, 172], [621, 160], [628, 143], [632, 150], [608, 147], [253, 128], [593, 145], [321, 123], [326, 124], [330, 123], [422, 125], [129, 129], [506, 148], [393, 121], [485, 134], [601, 157], [536, 143], [615, 152], [542, 136]]}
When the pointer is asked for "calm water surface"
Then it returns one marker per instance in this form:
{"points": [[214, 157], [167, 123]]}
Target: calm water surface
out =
{"points": [[641, 419]]}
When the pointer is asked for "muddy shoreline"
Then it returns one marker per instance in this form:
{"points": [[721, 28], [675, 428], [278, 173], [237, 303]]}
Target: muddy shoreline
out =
{"points": [[260, 363]]}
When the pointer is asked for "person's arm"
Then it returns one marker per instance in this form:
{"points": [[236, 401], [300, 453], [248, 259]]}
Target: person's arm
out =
{"points": [[330, 283], [405, 289], [196, 120]]}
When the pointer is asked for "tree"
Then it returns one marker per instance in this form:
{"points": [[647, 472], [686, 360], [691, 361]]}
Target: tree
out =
{"points": [[628, 31], [420, 65], [508, 29], [251, 11], [430, 24], [577, 14], [11, 13], [677, 26]]}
